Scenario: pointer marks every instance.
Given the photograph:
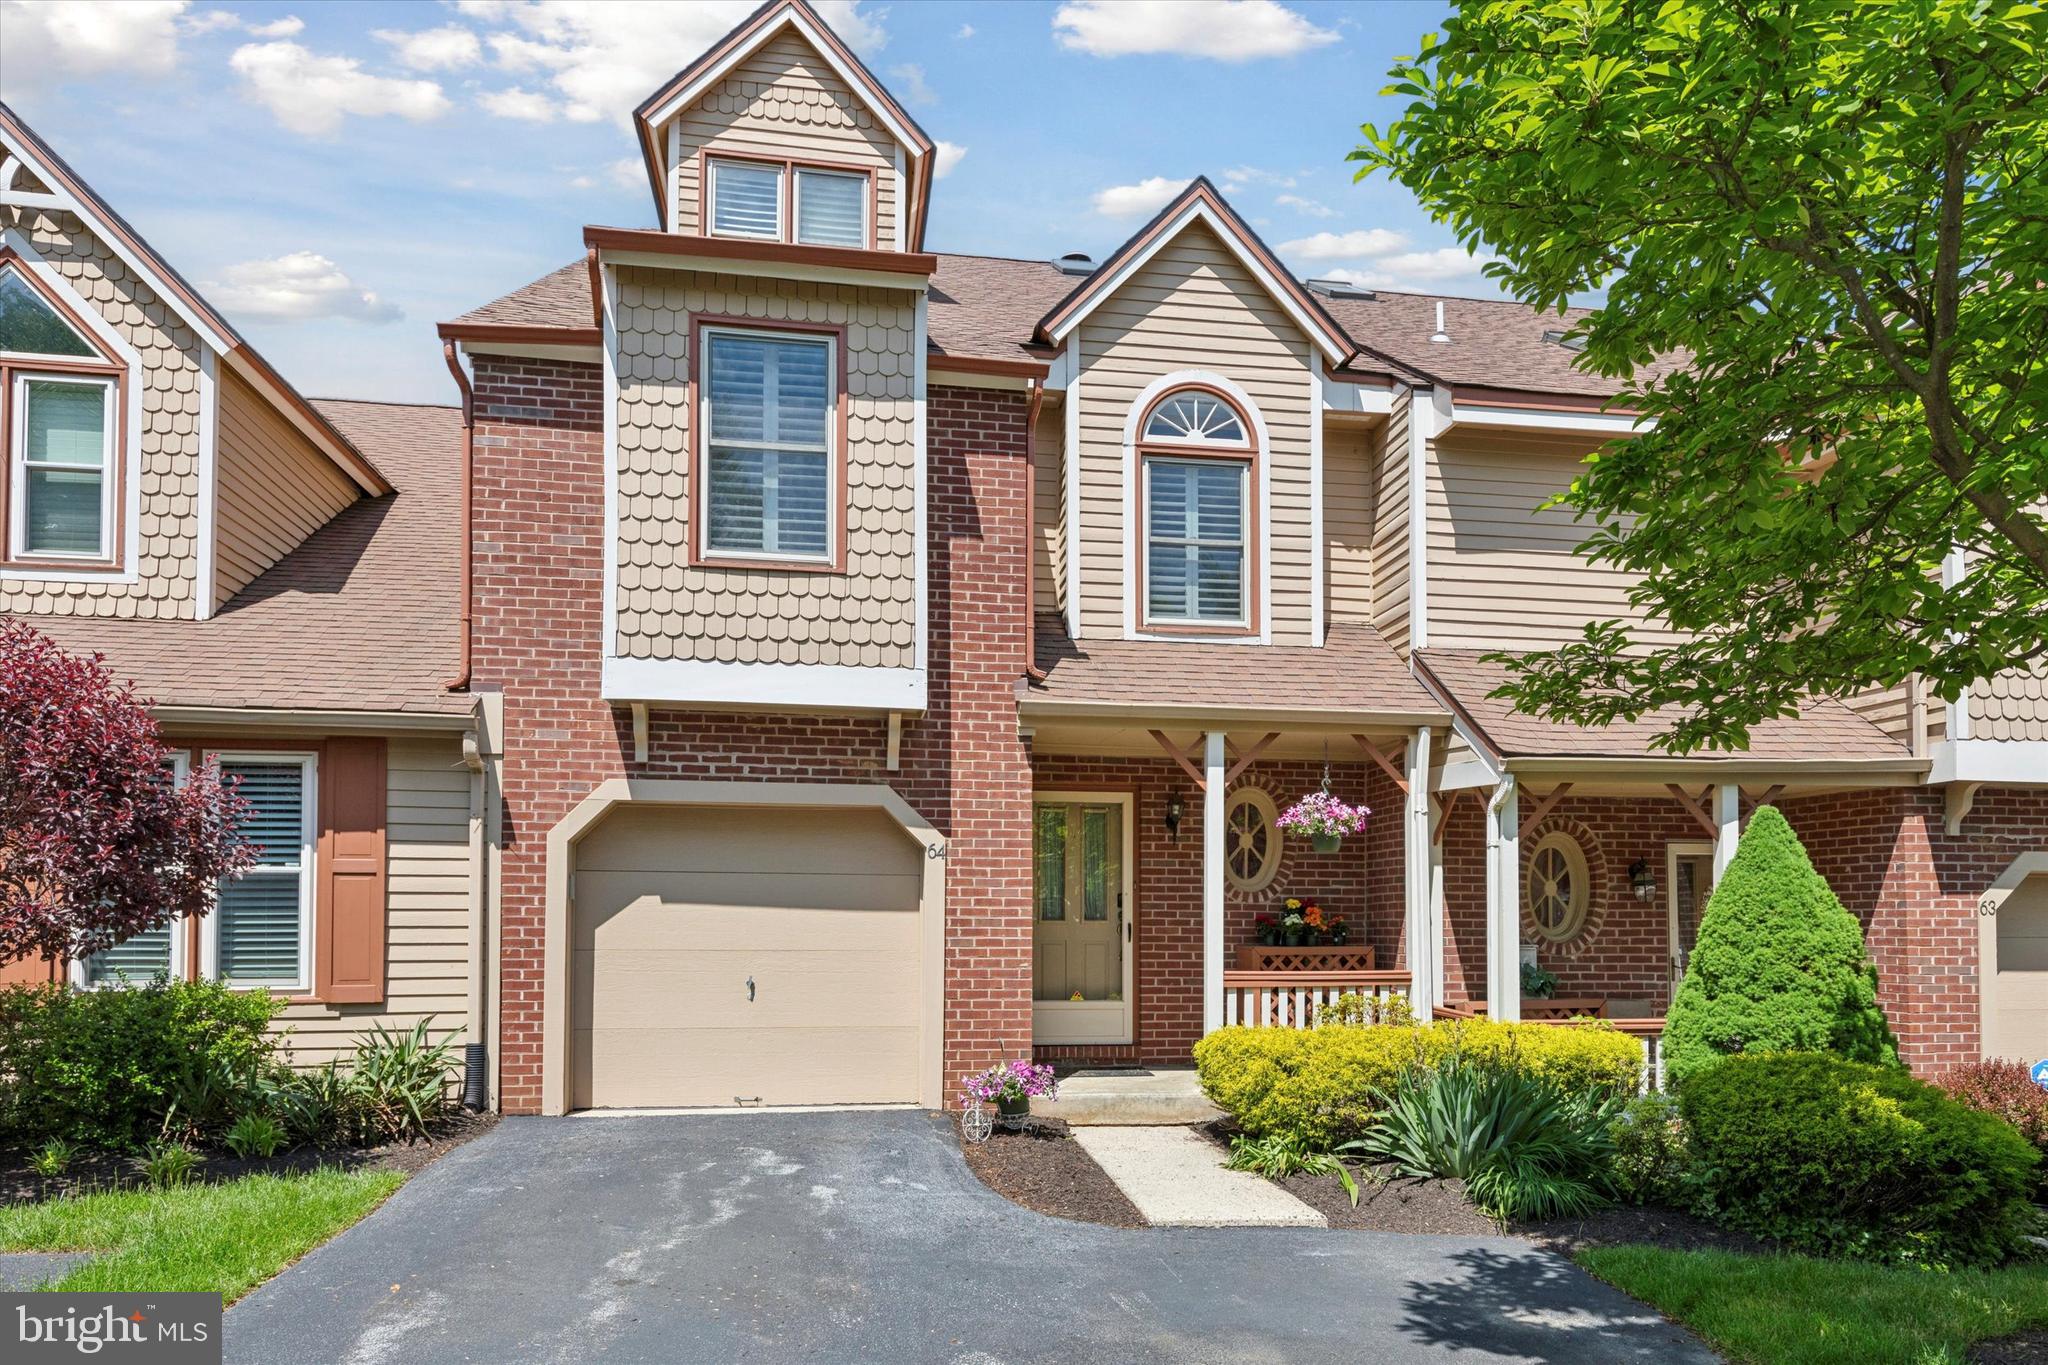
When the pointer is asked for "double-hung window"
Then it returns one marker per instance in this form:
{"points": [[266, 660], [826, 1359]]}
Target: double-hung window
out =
{"points": [[154, 952], [767, 464], [1197, 513], [59, 404], [783, 201], [261, 930]]}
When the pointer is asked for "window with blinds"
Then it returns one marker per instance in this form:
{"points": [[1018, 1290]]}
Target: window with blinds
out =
{"points": [[1195, 541], [147, 955], [66, 446], [261, 925], [746, 199], [768, 466], [831, 208]]}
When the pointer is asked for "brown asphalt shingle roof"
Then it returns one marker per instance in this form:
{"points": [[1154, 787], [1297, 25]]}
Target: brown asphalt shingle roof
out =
{"points": [[360, 617], [560, 298], [1355, 670], [1824, 730]]}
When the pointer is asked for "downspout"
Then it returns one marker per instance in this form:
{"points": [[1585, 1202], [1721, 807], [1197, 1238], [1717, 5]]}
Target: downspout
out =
{"points": [[475, 1053], [461, 678], [1031, 668]]}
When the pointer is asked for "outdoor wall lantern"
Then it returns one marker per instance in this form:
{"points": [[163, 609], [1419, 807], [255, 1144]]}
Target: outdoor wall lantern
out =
{"points": [[1173, 816], [1640, 880]]}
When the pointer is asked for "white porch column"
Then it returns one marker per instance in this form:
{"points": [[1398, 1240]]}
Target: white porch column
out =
{"points": [[1728, 819], [1213, 767], [1504, 902], [1417, 846]]}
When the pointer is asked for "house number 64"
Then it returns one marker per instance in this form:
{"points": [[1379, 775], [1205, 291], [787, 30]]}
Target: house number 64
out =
{"points": [[937, 851]]}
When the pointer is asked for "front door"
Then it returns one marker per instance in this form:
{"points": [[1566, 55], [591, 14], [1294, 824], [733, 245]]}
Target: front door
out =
{"points": [[1081, 919], [1689, 870]]}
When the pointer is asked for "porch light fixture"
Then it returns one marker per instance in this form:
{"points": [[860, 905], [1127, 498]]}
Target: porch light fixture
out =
{"points": [[1173, 810], [1640, 880]]}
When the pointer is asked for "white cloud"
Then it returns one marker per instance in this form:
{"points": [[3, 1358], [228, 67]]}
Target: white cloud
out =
{"points": [[1418, 272], [945, 156], [1237, 177], [432, 49], [311, 94], [516, 103], [54, 39], [220, 20], [1300, 204], [909, 77], [1223, 30], [628, 173], [1344, 246], [288, 27], [965, 32], [602, 57], [1132, 201], [297, 287], [209, 21]]}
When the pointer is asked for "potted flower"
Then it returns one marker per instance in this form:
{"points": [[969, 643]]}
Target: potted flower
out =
{"points": [[1337, 932], [1010, 1086], [1313, 920], [1324, 819], [1268, 927]]}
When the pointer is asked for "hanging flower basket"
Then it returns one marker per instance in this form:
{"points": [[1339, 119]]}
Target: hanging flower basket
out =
{"points": [[1324, 819]]}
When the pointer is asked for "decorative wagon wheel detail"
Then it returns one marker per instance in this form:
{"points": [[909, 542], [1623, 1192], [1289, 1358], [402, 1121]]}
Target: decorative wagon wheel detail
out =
{"points": [[975, 1124], [1252, 841]]}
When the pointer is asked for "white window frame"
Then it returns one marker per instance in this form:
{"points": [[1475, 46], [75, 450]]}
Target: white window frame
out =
{"points": [[796, 218], [81, 968], [783, 216], [309, 834], [18, 465], [1145, 436], [1244, 512], [834, 514]]}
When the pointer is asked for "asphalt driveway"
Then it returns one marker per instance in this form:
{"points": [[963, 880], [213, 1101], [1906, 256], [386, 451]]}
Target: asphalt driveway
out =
{"points": [[863, 1236]]}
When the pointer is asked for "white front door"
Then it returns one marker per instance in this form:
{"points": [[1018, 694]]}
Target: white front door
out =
{"points": [[1082, 929], [1689, 881]]}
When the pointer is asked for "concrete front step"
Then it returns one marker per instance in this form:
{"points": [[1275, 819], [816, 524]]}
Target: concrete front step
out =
{"points": [[1133, 1098]]}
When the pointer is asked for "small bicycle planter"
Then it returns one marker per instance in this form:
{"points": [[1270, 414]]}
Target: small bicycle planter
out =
{"points": [[1007, 1088]]}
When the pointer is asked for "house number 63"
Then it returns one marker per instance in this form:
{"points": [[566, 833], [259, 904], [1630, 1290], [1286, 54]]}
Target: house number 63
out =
{"points": [[1988, 906]]}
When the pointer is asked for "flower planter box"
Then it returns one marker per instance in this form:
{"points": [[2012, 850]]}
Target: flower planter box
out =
{"points": [[1329, 957]]}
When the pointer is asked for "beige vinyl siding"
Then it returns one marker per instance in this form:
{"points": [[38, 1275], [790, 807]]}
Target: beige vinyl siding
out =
{"points": [[1194, 306], [784, 101], [1049, 508], [272, 488], [1501, 573], [1888, 708], [1348, 458], [2011, 705], [428, 878], [1390, 525]]}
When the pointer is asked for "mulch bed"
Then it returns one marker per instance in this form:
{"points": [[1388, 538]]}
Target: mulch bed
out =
{"points": [[1391, 1204], [1641, 1225], [92, 1171], [1046, 1171], [2028, 1348]]}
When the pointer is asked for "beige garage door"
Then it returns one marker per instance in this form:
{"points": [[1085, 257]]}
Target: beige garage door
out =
{"points": [[2016, 1021], [732, 956]]}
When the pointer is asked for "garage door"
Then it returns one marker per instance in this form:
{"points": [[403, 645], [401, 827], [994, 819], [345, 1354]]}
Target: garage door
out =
{"points": [[737, 956], [2016, 1020]]}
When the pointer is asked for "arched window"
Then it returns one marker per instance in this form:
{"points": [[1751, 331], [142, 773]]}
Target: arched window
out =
{"points": [[1196, 492]]}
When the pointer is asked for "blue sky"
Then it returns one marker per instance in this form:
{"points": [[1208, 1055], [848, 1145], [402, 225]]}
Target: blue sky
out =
{"points": [[340, 177]]}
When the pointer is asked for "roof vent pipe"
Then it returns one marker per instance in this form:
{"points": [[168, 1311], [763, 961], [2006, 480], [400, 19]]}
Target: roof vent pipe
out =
{"points": [[1076, 263], [1440, 334]]}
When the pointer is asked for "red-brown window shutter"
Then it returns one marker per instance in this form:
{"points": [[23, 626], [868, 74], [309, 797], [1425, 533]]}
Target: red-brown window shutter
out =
{"points": [[348, 933]]}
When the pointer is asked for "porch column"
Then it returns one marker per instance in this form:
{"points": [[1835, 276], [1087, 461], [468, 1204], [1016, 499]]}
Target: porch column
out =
{"points": [[1213, 768], [1417, 848], [1728, 823], [1504, 902]]}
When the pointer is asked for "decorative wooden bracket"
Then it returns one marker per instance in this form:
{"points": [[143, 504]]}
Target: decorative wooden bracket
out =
{"points": [[1770, 794], [1543, 808], [1697, 809], [1187, 764], [1444, 806], [1372, 752], [1249, 754]]}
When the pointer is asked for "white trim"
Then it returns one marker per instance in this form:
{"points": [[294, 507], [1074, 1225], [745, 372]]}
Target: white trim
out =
{"points": [[1954, 565], [836, 471], [1133, 514], [309, 882], [785, 209], [1127, 916], [1316, 547], [870, 232], [1336, 395], [1673, 851], [1070, 418], [1214, 766], [1728, 817], [807, 687], [920, 531], [1549, 419], [78, 969], [209, 491], [1423, 426], [2000, 761], [589, 355], [610, 327], [1422, 864], [1504, 903], [18, 463], [672, 177], [131, 455], [111, 239], [791, 18], [903, 196], [710, 262], [1198, 210]]}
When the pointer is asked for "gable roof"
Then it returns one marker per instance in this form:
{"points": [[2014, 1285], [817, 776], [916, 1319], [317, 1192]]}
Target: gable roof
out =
{"points": [[753, 33], [1200, 202], [65, 190]]}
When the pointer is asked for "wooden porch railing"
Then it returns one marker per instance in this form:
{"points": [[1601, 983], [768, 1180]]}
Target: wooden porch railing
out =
{"points": [[1291, 999], [1649, 1032]]}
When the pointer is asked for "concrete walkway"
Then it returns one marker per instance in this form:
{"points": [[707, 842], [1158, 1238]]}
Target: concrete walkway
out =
{"points": [[1177, 1179]]}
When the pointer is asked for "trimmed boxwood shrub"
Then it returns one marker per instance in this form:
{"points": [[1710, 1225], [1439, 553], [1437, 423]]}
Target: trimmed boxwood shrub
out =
{"points": [[1841, 1158], [102, 1068], [1315, 1085], [1779, 965]]}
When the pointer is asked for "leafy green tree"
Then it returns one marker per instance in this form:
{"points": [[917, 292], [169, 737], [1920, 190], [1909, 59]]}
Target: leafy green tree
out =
{"points": [[1779, 965], [1822, 228]]}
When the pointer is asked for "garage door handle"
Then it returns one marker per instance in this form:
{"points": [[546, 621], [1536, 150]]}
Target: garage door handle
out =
{"points": [[750, 990]]}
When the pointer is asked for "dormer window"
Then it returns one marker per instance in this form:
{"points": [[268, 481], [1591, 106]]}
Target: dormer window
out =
{"points": [[786, 201], [59, 404], [1197, 510], [1195, 417]]}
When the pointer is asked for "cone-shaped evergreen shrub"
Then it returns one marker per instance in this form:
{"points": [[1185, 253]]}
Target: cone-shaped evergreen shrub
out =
{"points": [[1779, 966]]}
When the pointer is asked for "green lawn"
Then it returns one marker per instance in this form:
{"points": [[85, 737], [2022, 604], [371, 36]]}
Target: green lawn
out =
{"points": [[1794, 1310], [229, 1237]]}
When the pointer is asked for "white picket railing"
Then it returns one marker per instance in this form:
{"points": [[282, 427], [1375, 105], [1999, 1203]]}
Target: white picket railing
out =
{"points": [[1292, 999]]}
